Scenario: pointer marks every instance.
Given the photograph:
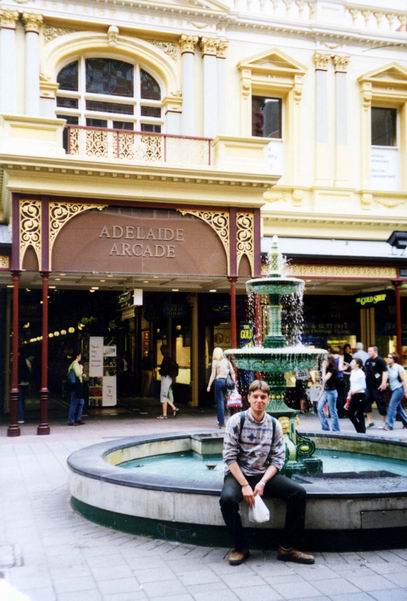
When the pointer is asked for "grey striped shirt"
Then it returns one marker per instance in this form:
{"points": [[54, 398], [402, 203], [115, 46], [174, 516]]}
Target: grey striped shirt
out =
{"points": [[252, 450]]}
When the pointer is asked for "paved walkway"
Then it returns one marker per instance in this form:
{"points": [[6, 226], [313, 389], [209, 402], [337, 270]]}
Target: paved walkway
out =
{"points": [[53, 554]]}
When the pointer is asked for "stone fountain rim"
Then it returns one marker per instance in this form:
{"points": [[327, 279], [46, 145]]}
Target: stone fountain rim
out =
{"points": [[90, 462]]}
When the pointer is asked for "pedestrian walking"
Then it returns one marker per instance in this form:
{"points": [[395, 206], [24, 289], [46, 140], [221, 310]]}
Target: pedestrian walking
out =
{"points": [[360, 353], [376, 383], [254, 453], [356, 400], [329, 395], [222, 370], [168, 372], [398, 386], [76, 392]]}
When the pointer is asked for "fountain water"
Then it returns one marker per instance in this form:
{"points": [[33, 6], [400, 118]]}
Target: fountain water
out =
{"points": [[276, 357]]}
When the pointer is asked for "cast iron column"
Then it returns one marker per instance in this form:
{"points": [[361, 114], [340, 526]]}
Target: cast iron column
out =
{"points": [[233, 320], [14, 428], [399, 331], [43, 427]]}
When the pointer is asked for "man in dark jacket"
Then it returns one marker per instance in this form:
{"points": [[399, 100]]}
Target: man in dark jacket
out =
{"points": [[376, 384]]}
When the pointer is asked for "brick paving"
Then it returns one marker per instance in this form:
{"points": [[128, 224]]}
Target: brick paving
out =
{"points": [[52, 554]]}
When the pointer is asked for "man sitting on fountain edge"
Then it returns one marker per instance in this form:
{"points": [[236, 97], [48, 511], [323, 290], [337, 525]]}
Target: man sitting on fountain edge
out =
{"points": [[253, 458]]}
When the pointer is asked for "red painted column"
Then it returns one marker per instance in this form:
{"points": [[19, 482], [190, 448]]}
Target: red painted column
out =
{"points": [[13, 428], [233, 318], [43, 427], [399, 333]]}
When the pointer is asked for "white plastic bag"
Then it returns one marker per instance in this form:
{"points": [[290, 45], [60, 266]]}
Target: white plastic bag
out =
{"points": [[259, 512]]}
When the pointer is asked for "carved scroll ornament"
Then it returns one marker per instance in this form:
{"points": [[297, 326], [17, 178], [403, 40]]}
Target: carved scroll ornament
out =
{"points": [[30, 228]]}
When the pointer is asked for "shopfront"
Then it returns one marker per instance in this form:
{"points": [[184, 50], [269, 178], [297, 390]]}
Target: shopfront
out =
{"points": [[120, 280]]}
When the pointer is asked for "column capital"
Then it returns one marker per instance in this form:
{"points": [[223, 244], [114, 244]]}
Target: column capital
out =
{"points": [[221, 48], [8, 19], [321, 61], [188, 43], [341, 63], [32, 22], [209, 46]]}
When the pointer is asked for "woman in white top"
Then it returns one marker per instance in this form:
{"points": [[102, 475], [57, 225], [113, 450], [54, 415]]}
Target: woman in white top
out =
{"points": [[355, 403], [221, 368], [398, 386]]}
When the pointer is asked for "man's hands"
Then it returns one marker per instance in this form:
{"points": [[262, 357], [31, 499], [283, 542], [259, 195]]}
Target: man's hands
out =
{"points": [[249, 494], [383, 386]]}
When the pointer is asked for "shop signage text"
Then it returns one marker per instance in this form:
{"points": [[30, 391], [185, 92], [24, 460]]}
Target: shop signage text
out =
{"points": [[372, 299], [145, 247]]}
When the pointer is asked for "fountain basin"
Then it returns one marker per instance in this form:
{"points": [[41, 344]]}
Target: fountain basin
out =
{"points": [[276, 285], [266, 360], [345, 511]]}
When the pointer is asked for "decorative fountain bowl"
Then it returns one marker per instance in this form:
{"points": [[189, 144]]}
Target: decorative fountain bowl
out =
{"points": [[275, 284], [276, 360]]}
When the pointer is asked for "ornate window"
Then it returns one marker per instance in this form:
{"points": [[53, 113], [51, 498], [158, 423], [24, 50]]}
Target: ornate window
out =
{"points": [[109, 93]]}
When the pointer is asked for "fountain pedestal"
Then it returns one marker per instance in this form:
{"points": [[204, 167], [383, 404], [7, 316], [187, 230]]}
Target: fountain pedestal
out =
{"points": [[276, 357]]}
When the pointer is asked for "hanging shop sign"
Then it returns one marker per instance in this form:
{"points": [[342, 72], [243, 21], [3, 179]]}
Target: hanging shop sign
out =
{"points": [[245, 335], [371, 299], [143, 241]]}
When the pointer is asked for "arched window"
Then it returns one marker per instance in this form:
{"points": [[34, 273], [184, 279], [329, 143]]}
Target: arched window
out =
{"points": [[109, 93]]}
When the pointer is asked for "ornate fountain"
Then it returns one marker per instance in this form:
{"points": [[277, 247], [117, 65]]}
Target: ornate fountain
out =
{"points": [[276, 356]]}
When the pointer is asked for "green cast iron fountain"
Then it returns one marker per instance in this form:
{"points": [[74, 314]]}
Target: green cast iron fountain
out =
{"points": [[276, 357]]}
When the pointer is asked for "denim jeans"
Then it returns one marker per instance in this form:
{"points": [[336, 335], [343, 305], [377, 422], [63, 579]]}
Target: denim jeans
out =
{"points": [[329, 397], [75, 408], [219, 391], [279, 487], [396, 407]]}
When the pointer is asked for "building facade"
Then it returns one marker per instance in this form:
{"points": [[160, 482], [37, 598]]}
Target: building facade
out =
{"points": [[149, 151]]}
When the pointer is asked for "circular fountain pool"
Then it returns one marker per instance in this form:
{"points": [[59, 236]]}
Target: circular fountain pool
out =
{"points": [[161, 485]]}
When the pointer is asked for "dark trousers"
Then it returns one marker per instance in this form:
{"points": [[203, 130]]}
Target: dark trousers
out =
{"points": [[279, 487], [356, 412]]}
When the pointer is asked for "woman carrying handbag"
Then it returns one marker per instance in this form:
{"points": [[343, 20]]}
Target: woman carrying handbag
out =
{"points": [[222, 371]]}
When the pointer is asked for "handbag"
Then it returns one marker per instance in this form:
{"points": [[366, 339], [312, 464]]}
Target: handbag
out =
{"points": [[234, 400], [229, 383]]}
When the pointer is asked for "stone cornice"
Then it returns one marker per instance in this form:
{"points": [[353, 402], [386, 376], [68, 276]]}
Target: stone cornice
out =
{"points": [[351, 220], [78, 167], [227, 19]]}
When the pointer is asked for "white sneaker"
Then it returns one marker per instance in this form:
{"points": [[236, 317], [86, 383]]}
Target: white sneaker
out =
{"points": [[20, 421]]}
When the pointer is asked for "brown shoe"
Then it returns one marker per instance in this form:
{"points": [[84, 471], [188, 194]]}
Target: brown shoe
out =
{"points": [[295, 555], [236, 557]]}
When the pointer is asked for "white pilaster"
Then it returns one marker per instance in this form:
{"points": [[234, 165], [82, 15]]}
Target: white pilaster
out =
{"points": [[187, 44], [222, 95], [342, 166], [322, 159], [8, 63], [210, 87], [32, 24]]}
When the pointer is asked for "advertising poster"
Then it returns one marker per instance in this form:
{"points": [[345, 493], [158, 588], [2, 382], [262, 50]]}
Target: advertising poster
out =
{"points": [[96, 356], [109, 391]]}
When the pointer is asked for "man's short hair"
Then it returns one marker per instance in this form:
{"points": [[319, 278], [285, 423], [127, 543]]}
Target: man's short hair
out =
{"points": [[259, 385], [359, 346], [374, 349]]}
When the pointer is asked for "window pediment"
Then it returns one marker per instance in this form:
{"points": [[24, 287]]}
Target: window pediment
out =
{"points": [[271, 72], [391, 74], [273, 62], [387, 84]]}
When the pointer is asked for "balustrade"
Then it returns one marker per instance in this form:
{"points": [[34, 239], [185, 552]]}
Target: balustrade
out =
{"points": [[137, 147]]}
